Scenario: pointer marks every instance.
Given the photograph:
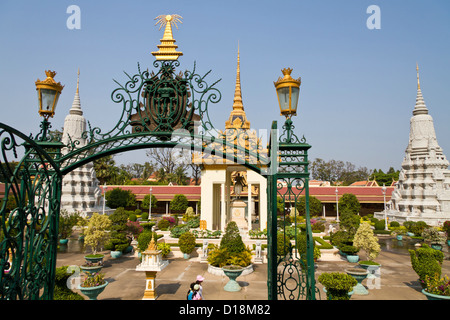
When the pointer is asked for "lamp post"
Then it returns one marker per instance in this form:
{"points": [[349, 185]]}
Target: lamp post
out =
{"points": [[288, 90], [292, 168], [150, 205], [48, 92], [337, 204], [383, 190], [104, 196]]}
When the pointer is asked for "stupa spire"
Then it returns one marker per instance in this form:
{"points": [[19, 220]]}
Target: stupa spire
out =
{"points": [[76, 105], [420, 107]]}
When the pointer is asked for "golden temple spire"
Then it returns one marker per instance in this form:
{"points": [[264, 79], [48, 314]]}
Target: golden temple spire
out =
{"points": [[167, 48], [238, 118]]}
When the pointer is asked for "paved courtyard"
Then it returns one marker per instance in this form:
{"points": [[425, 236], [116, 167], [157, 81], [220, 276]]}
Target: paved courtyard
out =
{"points": [[397, 281]]}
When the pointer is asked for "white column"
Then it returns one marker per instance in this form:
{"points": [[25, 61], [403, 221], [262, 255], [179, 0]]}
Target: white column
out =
{"points": [[223, 215], [249, 206]]}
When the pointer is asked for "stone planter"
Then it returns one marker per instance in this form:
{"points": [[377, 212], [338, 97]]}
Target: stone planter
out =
{"points": [[436, 246], [359, 274], [93, 292], [94, 259], [352, 258], [219, 272], [91, 269], [232, 272], [116, 254], [431, 296]]}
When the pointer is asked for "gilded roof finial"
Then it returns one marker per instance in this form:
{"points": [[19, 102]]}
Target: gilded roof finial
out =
{"points": [[167, 48], [238, 118]]}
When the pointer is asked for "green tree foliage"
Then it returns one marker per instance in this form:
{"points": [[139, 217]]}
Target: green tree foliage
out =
{"points": [[117, 197], [97, 231], [118, 238], [385, 178], [365, 239], [426, 261], [315, 205], [179, 203], [232, 239], [146, 200], [337, 171], [349, 207]]}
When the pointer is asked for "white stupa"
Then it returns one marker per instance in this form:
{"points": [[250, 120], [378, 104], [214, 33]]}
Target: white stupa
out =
{"points": [[423, 190], [80, 189]]}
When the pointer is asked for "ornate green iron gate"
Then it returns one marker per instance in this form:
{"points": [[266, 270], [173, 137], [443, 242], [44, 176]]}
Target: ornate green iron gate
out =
{"points": [[158, 110]]}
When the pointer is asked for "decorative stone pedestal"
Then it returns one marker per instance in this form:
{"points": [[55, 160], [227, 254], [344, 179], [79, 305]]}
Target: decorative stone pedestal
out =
{"points": [[238, 214], [151, 263]]}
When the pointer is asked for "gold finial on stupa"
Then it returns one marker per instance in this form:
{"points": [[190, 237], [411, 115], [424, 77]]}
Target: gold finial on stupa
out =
{"points": [[238, 118], [167, 48]]}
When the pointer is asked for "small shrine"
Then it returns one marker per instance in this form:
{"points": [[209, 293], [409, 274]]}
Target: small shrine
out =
{"points": [[151, 263]]}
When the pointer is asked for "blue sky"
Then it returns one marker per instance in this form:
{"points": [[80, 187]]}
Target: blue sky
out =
{"points": [[358, 85]]}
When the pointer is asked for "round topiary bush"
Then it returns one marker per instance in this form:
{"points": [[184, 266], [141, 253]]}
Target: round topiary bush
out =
{"points": [[380, 225], [186, 242]]}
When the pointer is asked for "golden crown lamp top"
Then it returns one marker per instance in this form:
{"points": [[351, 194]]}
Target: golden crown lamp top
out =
{"points": [[50, 81], [167, 48], [287, 78]]}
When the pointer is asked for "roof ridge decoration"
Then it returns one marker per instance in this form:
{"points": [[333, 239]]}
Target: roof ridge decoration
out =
{"points": [[167, 48]]}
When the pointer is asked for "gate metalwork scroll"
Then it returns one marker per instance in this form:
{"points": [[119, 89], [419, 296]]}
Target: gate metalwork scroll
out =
{"points": [[29, 215]]}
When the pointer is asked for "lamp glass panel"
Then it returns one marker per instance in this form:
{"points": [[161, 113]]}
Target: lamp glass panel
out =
{"points": [[283, 98], [48, 96], [294, 98]]}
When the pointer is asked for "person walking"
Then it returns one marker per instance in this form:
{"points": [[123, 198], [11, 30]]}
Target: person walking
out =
{"points": [[199, 281]]}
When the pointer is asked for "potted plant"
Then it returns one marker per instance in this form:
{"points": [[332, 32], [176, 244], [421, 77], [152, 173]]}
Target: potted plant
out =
{"points": [[399, 233], [426, 261], [436, 288], [66, 223], [434, 236], [338, 286], [365, 240], [119, 241], [92, 267], [187, 244], [446, 229], [93, 285], [351, 253], [96, 234]]}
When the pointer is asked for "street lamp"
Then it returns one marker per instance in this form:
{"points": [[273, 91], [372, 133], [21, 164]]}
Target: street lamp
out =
{"points": [[238, 185], [383, 190], [288, 91], [104, 196], [337, 204], [150, 205], [48, 92]]}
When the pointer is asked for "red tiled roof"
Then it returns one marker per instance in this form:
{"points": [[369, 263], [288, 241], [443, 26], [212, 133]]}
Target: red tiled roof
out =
{"points": [[324, 194], [162, 193]]}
